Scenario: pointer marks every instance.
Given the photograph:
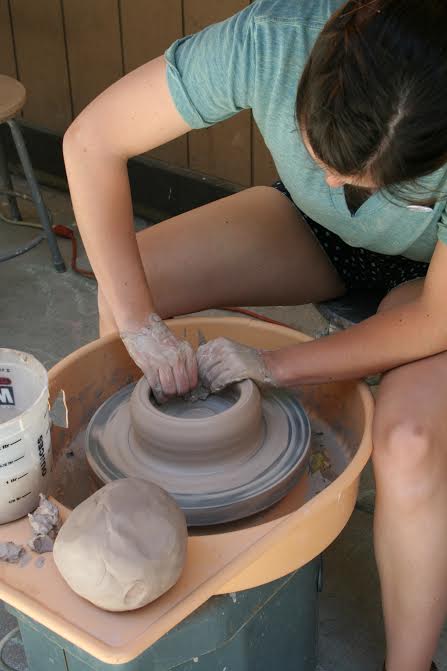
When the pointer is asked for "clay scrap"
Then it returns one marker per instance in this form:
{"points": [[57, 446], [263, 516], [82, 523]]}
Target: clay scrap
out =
{"points": [[11, 552], [45, 524]]}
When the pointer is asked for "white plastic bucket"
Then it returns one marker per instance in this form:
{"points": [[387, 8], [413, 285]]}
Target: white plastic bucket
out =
{"points": [[25, 441]]}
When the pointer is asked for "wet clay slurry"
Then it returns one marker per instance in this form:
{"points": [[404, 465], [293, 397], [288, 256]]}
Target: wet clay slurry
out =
{"points": [[222, 458]]}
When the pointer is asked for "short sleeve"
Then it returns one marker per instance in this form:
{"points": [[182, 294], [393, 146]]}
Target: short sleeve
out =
{"points": [[211, 74], [442, 226]]}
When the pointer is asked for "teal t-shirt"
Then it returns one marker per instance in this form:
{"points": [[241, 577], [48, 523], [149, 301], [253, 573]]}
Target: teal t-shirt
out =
{"points": [[254, 60]]}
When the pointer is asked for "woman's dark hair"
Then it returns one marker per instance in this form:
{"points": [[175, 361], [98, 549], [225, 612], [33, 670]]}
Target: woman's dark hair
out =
{"points": [[372, 98]]}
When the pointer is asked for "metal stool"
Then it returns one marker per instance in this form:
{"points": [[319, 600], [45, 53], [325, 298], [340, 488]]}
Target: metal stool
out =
{"points": [[352, 308], [12, 100]]}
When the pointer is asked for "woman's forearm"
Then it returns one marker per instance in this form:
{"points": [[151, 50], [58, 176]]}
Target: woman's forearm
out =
{"points": [[387, 340], [100, 192]]}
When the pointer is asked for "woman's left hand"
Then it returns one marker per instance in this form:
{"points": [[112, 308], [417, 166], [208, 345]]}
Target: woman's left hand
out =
{"points": [[223, 361]]}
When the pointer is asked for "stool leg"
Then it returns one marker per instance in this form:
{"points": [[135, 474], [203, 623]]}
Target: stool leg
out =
{"points": [[6, 183], [37, 197]]}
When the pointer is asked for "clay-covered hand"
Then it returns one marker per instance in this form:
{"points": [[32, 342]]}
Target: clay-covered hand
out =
{"points": [[168, 362], [223, 361]]}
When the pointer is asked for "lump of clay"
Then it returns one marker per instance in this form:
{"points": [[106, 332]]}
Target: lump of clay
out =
{"points": [[10, 552], [124, 546]]}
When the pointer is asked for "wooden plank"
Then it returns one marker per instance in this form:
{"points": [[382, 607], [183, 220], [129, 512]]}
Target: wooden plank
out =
{"points": [[225, 149], [93, 38], [159, 190], [7, 58], [41, 62], [148, 28], [264, 170]]}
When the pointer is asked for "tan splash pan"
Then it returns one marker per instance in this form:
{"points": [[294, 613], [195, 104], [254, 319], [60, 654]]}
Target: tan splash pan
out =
{"points": [[221, 559]]}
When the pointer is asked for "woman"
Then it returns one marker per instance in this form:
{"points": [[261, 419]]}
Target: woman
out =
{"points": [[361, 150]]}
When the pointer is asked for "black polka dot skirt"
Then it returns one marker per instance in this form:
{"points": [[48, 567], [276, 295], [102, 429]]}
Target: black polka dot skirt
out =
{"points": [[361, 268]]}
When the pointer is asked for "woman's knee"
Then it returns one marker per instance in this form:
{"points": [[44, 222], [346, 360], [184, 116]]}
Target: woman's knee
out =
{"points": [[403, 440], [407, 457], [404, 293]]}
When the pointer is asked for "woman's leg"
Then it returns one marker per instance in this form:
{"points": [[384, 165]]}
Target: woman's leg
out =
{"points": [[410, 527], [251, 248]]}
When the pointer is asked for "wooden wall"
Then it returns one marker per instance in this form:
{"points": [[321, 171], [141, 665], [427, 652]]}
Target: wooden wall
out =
{"points": [[67, 51]]}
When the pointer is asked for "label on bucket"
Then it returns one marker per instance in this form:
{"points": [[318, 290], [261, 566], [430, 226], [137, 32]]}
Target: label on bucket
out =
{"points": [[7, 395], [42, 457], [8, 408], [25, 442]]}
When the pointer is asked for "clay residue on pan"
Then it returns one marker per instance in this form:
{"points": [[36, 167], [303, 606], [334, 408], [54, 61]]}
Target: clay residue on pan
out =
{"points": [[72, 478], [44, 523], [319, 475], [74, 481]]}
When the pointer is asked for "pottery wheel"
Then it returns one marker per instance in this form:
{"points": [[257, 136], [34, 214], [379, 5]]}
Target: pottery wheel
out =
{"points": [[223, 458]]}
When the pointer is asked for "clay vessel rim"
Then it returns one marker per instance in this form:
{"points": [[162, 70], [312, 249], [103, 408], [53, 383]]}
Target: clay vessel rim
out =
{"points": [[246, 387]]}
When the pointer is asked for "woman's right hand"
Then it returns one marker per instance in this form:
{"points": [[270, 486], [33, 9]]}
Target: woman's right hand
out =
{"points": [[169, 363]]}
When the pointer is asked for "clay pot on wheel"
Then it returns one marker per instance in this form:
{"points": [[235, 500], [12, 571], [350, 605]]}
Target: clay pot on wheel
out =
{"points": [[223, 458], [221, 431]]}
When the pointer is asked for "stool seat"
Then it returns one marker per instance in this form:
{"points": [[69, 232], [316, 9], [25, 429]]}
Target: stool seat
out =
{"points": [[12, 97], [352, 308]]}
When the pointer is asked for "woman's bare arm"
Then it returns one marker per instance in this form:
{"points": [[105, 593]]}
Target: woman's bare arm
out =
{"points": [[134, 115], [395, 336], [389, 339]]}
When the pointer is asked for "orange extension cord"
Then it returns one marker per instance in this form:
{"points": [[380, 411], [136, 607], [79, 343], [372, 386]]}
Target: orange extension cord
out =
{"points": [[67, 233]]}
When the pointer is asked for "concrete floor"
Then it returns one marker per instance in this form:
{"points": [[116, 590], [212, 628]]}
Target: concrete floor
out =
{"points": [[51, 314]]}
